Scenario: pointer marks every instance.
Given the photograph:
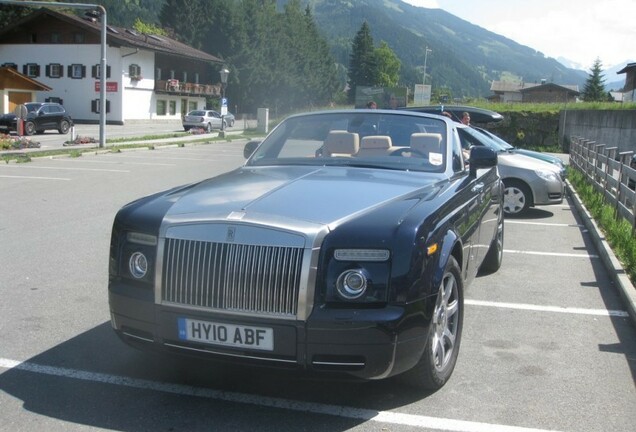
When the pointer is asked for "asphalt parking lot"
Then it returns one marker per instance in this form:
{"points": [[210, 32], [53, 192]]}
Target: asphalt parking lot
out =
{"points": [[548, 343]]}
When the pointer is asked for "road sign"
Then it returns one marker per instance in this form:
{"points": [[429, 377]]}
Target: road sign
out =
{"points": [[224, 102]]}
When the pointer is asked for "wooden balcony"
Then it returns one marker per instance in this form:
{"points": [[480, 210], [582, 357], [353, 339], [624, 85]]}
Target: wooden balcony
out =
{"points": [[179, 88]]}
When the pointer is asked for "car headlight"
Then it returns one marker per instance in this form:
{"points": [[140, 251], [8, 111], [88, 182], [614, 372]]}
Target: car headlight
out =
{"points": [[352, 284], [547, 175], [138, 265]]}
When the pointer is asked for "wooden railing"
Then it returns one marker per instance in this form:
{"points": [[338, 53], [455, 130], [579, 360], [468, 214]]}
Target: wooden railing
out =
{"points": [[610, 174], [186, 88]]}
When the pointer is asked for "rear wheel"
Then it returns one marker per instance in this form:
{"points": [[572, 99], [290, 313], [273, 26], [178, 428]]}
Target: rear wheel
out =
{"points": [[494, 256], [517, 197], [64, 127], [444, 336], [29, 128]]}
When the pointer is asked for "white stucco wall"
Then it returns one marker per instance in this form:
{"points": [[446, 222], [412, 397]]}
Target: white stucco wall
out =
{"points": [[129, 99]]}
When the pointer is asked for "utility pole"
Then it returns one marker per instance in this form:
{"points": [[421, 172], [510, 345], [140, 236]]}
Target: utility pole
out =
{"points": [[425, 59]]}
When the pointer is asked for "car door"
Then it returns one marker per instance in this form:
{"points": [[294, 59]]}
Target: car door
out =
{"points": [[483, 210], [215, 119]]}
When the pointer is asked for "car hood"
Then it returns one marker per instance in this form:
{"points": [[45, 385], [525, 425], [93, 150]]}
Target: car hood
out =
{"points": [[296, 195], [518, 161]]}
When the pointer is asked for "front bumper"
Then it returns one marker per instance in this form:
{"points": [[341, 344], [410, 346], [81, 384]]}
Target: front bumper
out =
{"points": [[546, 192], [364, 343]]}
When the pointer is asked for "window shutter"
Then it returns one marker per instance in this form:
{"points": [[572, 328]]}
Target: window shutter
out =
{"points": [[107, 106], [69, 71], [47, 70], [107, 71], [61, 69], [94, 71], [94, 105], [83, 71], [37, 70], [25, 69]]}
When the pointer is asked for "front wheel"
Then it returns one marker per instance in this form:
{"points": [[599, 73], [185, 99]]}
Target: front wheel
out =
{"points": [[444, 336], [208, 128], [517, 197], [64, 127]]}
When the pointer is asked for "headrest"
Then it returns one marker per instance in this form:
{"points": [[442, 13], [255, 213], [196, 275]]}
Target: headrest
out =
{"points": [[376, 142], [341, 142]]}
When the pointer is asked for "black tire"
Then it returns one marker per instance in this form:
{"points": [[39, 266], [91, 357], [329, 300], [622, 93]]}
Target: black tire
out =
{"points": [[208, 128], [444, 336], [494, 256], [64, 127], [186, 128], [517, 197], [29, 128], [231, 123]]}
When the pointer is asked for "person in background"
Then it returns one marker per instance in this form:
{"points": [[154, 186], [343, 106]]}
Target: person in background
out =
{"points": [[372, 105], [466, 118]]}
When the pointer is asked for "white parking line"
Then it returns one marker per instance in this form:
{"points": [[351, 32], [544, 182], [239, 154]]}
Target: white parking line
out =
{"points": [[558, 309], [101, 161], [64, 168], [559, 254], [35, 178], [508, 221], [430, 423]]}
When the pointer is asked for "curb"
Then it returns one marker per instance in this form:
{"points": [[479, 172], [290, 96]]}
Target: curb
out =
{"points": [[616, 271]]}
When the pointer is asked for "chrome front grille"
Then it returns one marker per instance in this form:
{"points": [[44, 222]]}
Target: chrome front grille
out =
{"points": [[263, 280]]}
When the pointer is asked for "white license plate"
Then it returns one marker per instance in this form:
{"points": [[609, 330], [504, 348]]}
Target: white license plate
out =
{"points": [[260, 338]]}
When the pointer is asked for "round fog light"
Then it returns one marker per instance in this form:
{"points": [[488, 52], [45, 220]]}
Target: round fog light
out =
{"points": [[352, 284], [138, 265]]}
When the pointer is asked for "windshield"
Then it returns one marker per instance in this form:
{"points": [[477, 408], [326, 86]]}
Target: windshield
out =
{"points": [[364, 138], [497, 139], [472, 137]]}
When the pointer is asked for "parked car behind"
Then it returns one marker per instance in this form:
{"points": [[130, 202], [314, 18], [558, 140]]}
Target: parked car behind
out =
{"points": [[528, 181], [204, 119], [41, 116], [531, 153], [229, 119], [329, 251]]}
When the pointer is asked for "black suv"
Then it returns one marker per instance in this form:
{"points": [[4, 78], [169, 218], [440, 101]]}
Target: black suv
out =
{"points": [[40, 117]]}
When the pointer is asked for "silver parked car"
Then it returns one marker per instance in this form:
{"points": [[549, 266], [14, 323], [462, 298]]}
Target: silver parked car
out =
{"points": [[204, 119], [527, 181]]}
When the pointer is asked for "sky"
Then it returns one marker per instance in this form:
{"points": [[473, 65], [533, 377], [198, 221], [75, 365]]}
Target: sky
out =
{"points": [[579, 30]]}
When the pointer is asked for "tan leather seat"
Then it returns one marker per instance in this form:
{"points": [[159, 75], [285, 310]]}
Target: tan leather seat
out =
{"points": [[375, 145], [341, 143]]}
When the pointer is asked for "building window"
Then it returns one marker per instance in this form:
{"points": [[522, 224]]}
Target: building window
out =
{"points": [[185, 77], [172, 74], [95, 106], [54, 100], [158, 74], [172, 107], [31, 70], [10, 65], [54, 70], [77, 71], [134, 72], [192, 105], [95, 71], [196, 78], [56, 38], [161, 107], [78, 38]]}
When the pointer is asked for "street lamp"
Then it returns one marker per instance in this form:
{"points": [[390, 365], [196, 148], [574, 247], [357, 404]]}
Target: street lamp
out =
{"points": [[224, 74], [425, 59]]}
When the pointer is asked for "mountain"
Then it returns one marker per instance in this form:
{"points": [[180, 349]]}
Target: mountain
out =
{"points": [[464, 57], [614, 81]]}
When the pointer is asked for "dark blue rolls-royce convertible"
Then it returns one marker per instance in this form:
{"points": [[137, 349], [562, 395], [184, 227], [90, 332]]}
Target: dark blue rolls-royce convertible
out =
{"points": [[343, 245]]}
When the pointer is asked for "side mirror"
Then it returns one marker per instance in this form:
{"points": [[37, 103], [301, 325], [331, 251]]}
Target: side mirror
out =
{"points": [[481, 157], [249, 148]]}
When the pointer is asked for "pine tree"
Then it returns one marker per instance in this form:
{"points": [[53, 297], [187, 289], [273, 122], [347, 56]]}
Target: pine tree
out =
{"points": [[594, 90], [363, 68]]}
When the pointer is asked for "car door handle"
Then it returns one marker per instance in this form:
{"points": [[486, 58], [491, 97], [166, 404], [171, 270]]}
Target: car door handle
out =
{"points": [[478, 188]]}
